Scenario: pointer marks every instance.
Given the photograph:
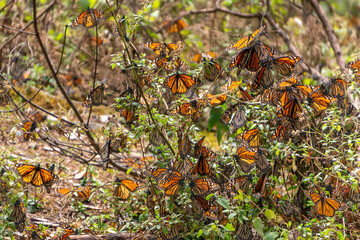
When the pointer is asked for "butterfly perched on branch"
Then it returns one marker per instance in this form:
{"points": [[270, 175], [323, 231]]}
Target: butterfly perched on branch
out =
{"points": [[246, 41], [88, 18], [95, 98], [180, 83], [124, 187], [18, 215]]}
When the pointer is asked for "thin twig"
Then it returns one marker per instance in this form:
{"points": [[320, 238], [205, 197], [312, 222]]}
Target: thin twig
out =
{"points": [[18, 30]]}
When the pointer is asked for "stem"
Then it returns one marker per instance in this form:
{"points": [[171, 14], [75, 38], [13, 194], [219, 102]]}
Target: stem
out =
{"points": [[37, 34]]}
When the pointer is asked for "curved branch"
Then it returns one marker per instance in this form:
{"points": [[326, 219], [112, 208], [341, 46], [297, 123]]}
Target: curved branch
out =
{"points": [[210, 10], [330, 34]]}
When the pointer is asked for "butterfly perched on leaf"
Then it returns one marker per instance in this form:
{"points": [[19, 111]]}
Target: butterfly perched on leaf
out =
{"points": [[164, 50], [28, 126], [202, 166], [261, 161], [201, 150], [180, 83], [35, 175], [162, 175], [285, 65], [291, 110], [251, 58], [216, 100], [95, 98], [262, 80], [81, 194], [183, 166], [318, 102], [175, 27], [325, 206], [88, 18], [199, 186], [251, 136], [212, 70], [18, 215], [337, 87], [245, 158], [190, 108], [246, 41], [174, 184], [199, 204], [241, 182], [124, 187], [244, 232]]}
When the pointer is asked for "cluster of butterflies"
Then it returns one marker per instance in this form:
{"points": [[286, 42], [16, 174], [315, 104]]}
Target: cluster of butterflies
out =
{"points": [[288, 95]]}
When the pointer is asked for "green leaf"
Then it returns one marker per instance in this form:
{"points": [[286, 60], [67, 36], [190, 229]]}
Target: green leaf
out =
{"points": [[223, 202], [270, 214], [200, 233], [229, 227], [340, 235], [259, 226], [240, 196], [214, 117], [128, 171], [271, 235], [232, 215], [220, 130], [156, 4]]}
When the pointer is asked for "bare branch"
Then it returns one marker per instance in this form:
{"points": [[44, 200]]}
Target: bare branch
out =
{"points": [[330, 34]]}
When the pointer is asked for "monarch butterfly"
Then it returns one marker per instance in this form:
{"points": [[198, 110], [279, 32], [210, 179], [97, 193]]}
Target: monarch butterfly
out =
{"points": [[118, 143], [202, 166], [129, 115], [244, 232], [346, 106], [18, 215], [105, 154], [270, 96], [180, 83], [199, 204], [88, 18], [353, 195], [292, 109], [123, 188], [238, 120], [285, 65], [199, 186], [337, 87], [290, 89], [162, 175], [318, 103], [245, 158], [216, 101], [176, 27], [172, 234], [174, 184], [282, 132], [263, 79], [35, 175], [221, 177], [251, 136], [241, 182], [261, 161], [184, 146], [95, 98], [183, 166], [49, 184], [260, 186], [29, 126], [325, 206], [82, 194], [190, 107], [228, 113], [198, 57], [250, 58], [246, 41], [243, 95], [163, 49], [354, 66], [69, 232], [199, 149], [212, 70], [37, 117]]}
